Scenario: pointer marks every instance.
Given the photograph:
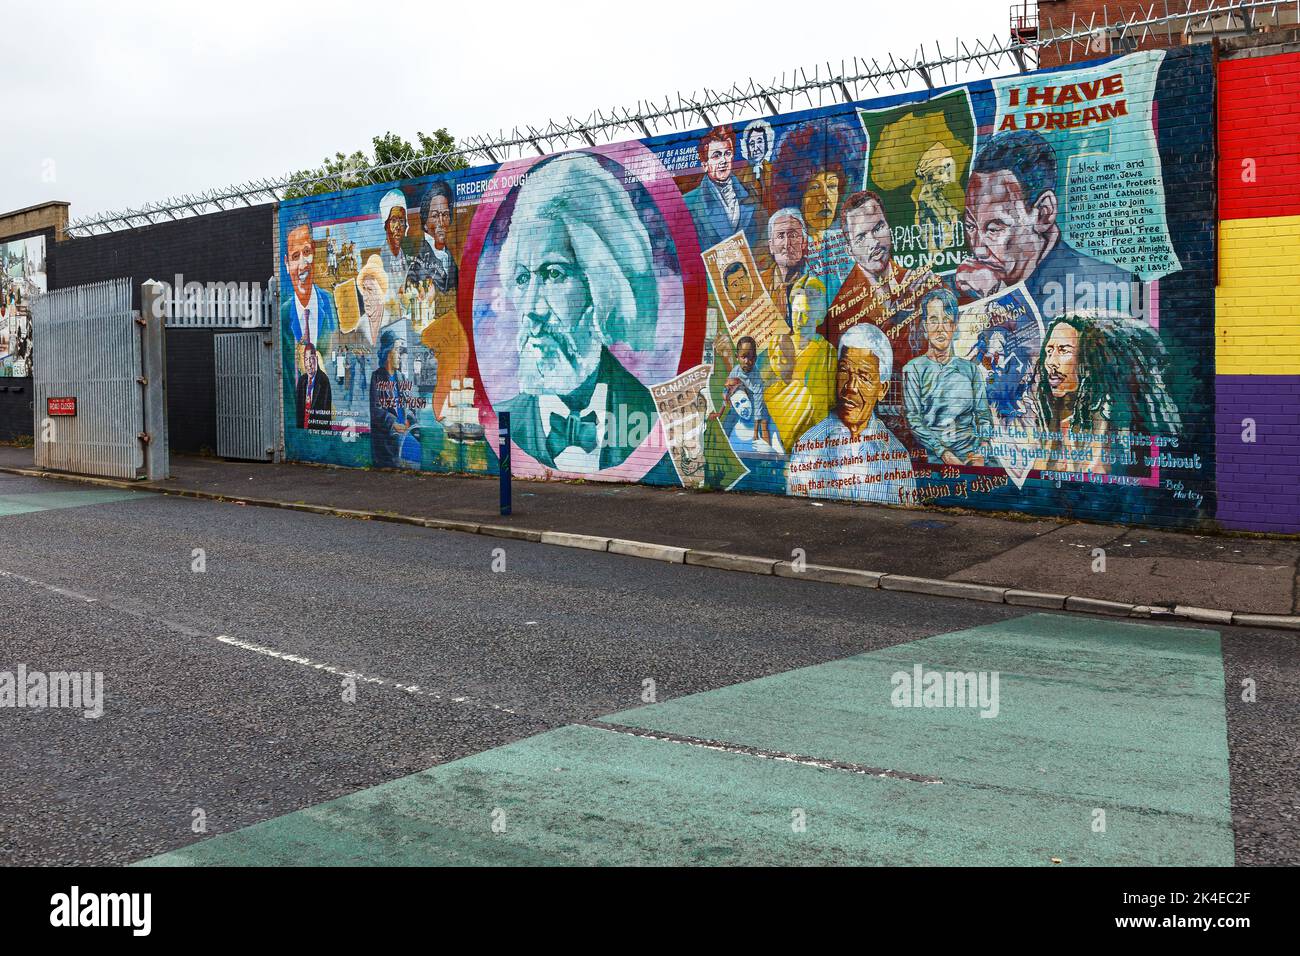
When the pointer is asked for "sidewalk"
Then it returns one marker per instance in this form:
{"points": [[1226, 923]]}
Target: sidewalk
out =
{"points": [[1143, 567]]}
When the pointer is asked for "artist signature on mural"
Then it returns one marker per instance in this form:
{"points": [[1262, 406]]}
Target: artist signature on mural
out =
{"points": [[1182, 493]]}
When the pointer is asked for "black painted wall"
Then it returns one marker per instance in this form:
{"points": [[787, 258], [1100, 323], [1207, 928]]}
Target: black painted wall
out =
{"points": [[15, 408], [233, 246]]}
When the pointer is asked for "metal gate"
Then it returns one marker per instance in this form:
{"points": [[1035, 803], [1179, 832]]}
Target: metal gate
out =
{"points": [[246, 395], [99, 383]]}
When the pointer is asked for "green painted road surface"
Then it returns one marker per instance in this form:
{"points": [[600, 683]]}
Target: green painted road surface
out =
{"points": [[1092, 716], [22, 504]]}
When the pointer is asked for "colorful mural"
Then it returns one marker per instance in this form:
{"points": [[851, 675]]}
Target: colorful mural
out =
{"points": [[951, 297], [22, 276]]}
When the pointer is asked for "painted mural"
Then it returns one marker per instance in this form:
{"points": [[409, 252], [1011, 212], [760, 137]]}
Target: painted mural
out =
{"points": [[951, 297], [22, 276]]}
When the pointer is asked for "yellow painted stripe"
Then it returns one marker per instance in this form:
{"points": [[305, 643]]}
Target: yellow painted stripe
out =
{"points": [[1257, 304]]}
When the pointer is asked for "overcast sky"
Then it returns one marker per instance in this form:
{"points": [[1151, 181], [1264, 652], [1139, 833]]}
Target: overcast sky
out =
{"points": [[110, 106]]}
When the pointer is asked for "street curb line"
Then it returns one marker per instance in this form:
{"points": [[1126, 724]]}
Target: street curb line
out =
{"points": [[828, 574], [644, 549], [1018, 598], [750, 564], [943, 588], [1098, 606], [1281, 621], [515, 534], [563, 539], [1203, 614], [441, 524], [1145, 610], [730, 562]]}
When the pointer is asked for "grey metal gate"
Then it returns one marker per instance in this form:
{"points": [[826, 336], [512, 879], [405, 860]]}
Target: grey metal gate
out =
{"points": [[246, 395], [99, 383]]}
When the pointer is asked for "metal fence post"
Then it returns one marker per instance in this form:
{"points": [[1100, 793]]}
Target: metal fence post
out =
{"points": [[153, 374], [270, 304]]}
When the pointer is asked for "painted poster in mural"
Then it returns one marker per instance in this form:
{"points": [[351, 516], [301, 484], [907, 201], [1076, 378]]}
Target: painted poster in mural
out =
{"points": [[1066, 145], [22, 277], [1098, 124], [996, 342], [745, 305], [950, 298], [685, 409], [918, 163]]}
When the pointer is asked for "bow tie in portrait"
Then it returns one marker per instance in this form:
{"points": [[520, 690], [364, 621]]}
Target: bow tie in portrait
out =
{"points": [[572, 430]]}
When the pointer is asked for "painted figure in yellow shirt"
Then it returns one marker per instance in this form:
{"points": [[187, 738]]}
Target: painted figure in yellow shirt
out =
{"points": [[788, 401], [814, 358]]}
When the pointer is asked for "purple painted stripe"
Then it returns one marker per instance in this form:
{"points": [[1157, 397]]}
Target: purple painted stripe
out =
{"points": [[1258, 482]]}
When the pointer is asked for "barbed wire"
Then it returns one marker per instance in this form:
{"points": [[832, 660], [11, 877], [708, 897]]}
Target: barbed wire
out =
{"points": [[800, 90]]}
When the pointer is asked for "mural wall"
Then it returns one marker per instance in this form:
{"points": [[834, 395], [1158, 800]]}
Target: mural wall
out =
{"points": [[22, 276], [998, 295], [1258, 311]]}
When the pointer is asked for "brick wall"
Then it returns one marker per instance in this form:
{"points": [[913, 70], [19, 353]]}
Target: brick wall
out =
{"points": [[233, 246], [437, 303], [1257, 355], [421, 341], [48, 217], [1059, 16]]}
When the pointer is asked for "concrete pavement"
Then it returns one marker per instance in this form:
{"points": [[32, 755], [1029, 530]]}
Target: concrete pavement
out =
{"points": [[1142, 566], [815, 766], [224, 694]]}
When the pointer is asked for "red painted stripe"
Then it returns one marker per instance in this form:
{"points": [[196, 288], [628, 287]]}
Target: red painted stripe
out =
{"points": [[1259, 120]]}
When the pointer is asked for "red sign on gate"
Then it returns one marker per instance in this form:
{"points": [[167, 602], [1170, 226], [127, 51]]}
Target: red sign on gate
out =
{"points": [[61, 406]]}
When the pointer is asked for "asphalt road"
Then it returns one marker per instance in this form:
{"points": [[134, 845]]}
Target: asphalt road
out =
{"points": [[226, 688]]}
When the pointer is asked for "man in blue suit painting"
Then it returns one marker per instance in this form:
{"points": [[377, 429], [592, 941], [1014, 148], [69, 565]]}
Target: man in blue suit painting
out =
{"points": [[1013, 229], [720, 205], [309, 313]]}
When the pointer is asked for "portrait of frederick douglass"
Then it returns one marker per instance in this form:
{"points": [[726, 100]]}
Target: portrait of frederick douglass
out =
{"points": [[577, 275]]}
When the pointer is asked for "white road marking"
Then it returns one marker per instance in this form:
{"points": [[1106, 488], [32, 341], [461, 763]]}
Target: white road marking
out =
{"points": [[821, 763], [416, 690], [258, 648], [75, 595], [355, 674]]}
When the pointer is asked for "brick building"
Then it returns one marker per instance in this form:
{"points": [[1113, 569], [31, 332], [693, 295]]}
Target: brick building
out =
{"points": [[1043, 19]]}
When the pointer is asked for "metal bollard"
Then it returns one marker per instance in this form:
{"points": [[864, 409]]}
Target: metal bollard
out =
{"points": [[503, 454]]}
